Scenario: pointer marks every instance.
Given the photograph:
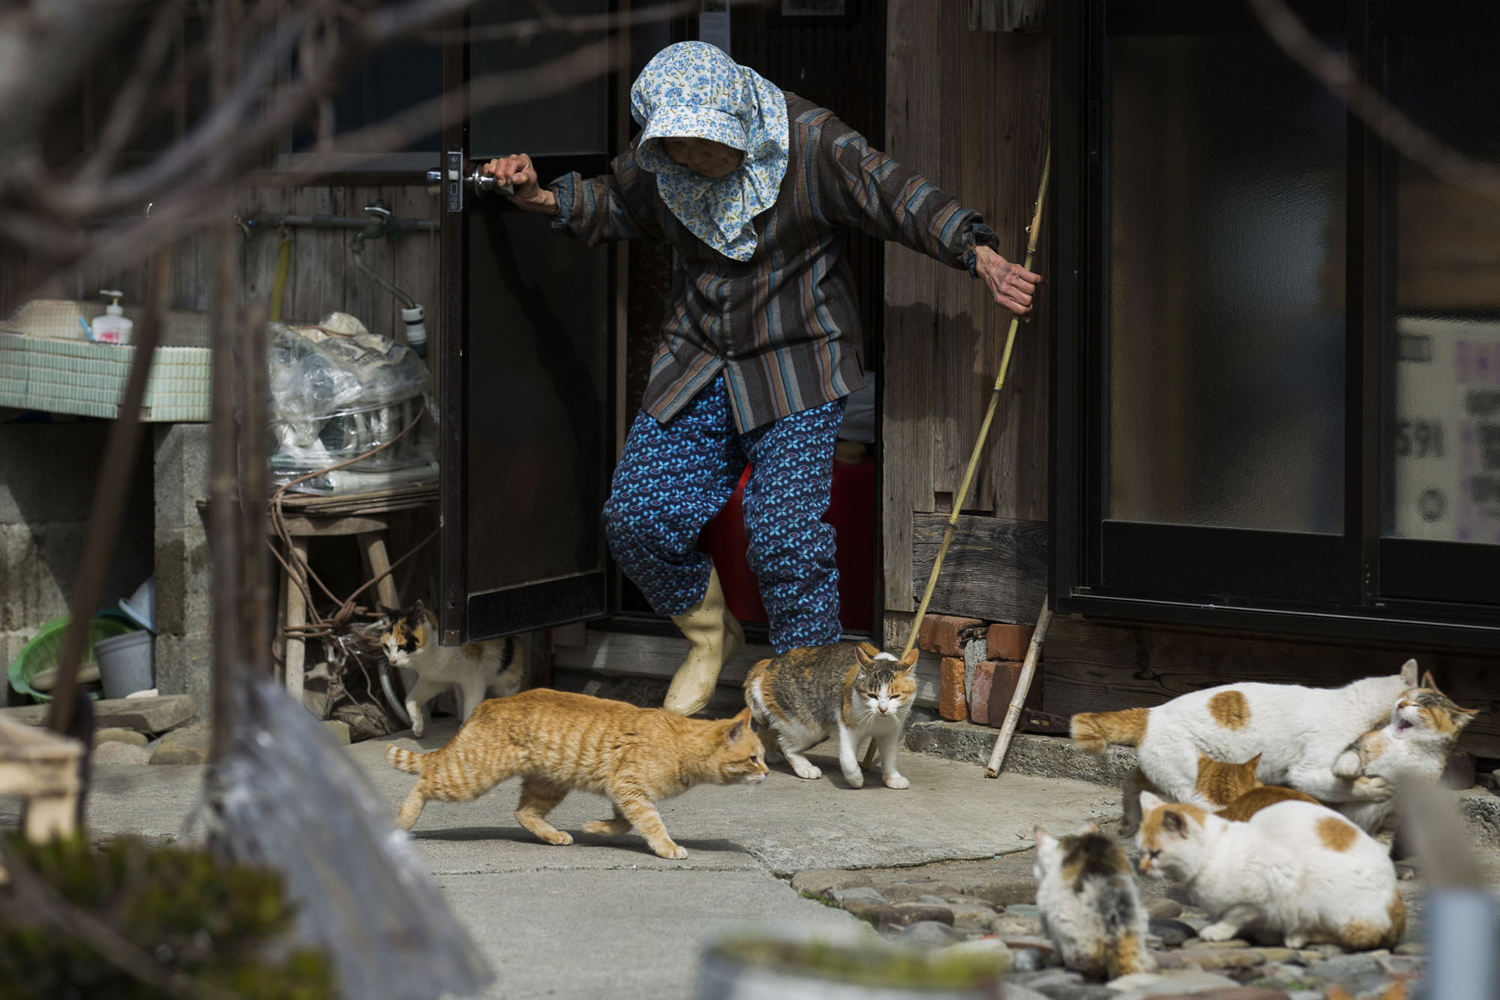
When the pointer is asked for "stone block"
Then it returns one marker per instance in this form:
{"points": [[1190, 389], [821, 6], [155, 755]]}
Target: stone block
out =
{"points": [[183, 665], [115, 752], [946, 635], [1008, 642], [144, 715], [181, 476], [51, 471], [818, 881], [338, 730], [117, 735], [1007, 675], [951, 696], [979, 694], [184, 578], [1009, 893], [188, 745]]}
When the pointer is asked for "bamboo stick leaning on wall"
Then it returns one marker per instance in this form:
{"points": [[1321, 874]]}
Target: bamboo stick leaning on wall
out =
{"points": [[1034, 231]]}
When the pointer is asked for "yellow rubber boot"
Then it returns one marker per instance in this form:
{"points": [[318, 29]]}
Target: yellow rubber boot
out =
{"points": [[714, 638]]}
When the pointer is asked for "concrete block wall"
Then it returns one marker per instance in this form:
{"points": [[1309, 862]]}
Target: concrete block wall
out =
{"points": [[47, 477], [183, 573]]}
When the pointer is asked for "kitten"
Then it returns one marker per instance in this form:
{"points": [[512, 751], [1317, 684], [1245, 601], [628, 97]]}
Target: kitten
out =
{"points": [[480, 670], [559, 742], [1236, 793], [1301, 730], [1423, 728], [1090, 905], [1295, 870], [805, 695]]}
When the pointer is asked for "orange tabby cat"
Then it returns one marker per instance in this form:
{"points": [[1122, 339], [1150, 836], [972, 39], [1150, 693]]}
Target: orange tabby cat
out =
{"points": [[1236, 789], [560, 742]]}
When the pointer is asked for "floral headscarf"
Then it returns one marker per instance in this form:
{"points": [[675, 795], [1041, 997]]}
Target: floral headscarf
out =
{"points": [[692, 89]]}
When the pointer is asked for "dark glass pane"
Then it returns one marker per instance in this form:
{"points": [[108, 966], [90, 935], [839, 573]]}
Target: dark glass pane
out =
{"points": [[1226, 188], [565, 123], [1442, 421]]}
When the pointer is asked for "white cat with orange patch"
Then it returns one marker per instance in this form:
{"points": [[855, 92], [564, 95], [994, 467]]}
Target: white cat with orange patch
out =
{"points": [[1298, 731], [1295, 871]]}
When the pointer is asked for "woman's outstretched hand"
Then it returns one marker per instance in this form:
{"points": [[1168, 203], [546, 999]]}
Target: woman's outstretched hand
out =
{"points": [[1011, 284], [517, 171]]}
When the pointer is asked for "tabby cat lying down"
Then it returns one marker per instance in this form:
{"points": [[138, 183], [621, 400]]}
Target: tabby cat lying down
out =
{"points": [[559, 742]]}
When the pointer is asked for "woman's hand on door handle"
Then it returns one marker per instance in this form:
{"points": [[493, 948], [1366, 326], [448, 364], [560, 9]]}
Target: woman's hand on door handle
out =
{"points": [[518, 171]]}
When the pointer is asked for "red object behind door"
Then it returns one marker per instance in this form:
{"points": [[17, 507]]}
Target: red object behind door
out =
{"points": [[851, 511]]}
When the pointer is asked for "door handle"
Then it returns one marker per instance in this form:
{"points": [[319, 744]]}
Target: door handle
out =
{"points": [[478, 183]]}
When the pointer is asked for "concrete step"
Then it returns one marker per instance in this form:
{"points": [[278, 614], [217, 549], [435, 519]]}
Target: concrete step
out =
{"points": [[144, 715]]}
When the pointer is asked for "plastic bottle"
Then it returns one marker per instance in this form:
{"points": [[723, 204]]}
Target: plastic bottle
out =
{"points": [[113, 327], [416, 330]]}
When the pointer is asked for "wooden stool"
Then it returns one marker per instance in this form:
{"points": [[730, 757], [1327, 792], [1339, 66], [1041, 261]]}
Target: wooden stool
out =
{"points": [[42, 768]]}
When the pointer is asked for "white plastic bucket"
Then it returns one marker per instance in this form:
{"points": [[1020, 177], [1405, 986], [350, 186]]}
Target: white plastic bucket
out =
{"points": [[126, 663]]}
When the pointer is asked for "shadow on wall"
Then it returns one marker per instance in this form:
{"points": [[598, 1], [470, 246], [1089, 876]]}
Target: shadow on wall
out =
{"points": [[47, 475]]}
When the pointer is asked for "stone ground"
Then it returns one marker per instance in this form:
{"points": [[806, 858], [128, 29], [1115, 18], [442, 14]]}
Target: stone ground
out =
{"points": [[947, 861]]}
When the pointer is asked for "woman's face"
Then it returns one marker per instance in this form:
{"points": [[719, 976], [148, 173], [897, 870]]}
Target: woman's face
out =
{"points": [[709, 158]]}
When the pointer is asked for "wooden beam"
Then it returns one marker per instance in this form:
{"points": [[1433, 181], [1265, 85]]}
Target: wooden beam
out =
{"points": [[996, 567]]}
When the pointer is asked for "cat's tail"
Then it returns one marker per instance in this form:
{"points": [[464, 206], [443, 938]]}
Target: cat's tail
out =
{"points": [[404, 760], [1093, 731]]}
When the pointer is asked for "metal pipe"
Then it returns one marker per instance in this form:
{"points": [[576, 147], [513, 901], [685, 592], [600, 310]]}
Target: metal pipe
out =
{"points": [[380, 224], [336, 222]]}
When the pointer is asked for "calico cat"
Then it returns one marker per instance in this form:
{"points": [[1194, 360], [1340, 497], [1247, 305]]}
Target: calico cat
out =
{"points": [[480, 670], [1297, 871], [1423, 728], [805, 695], [559, 742], [1301, 730], [1090, 905], [1236, 793]]}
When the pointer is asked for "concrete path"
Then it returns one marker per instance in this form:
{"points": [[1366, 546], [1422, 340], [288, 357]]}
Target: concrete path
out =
{"points": [[605, 916]]}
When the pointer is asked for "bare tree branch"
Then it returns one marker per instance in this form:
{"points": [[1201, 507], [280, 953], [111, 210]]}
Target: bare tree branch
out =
{"points": [[1408, 138]]}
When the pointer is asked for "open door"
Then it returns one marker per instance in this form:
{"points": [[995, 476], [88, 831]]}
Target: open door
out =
{"points": [[525, 378]]}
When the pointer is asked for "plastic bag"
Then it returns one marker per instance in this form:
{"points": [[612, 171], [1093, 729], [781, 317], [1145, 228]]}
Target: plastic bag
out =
{"points": [[339, 392]]}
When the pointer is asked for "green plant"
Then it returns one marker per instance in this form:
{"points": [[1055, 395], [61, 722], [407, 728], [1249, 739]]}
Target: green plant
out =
{"points": [[125, 921]]}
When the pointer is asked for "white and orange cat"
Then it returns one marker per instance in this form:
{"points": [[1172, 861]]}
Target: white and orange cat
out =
{"points": [[479, 670], [1424, 727], [1294, 871], [558, 742], [806, 695], [1298, 731], [1090, 905]]}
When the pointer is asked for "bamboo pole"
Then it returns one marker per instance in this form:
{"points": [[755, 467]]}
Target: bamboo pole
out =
{"points": [[1035, 231], [1023, 688]]}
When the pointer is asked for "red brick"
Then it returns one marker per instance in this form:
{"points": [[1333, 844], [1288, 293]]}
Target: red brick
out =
{"points": [[951, 702], [1003, 689], [979, 693], [946, 634], [1008, 642]]}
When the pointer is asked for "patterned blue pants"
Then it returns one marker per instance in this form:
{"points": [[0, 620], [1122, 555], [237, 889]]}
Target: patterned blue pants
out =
{"points": [[671, 481]]}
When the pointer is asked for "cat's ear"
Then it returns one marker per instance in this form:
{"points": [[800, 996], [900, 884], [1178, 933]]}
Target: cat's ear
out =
{"points": [[1149, 802], [1428, 682], [865, 654], [1087, 829], [736, 732], [391, 614], [1253, 764], [418, 608], [1409, 673], [869, 649], [910, 659], [1173, 822], [1043, 839], [1463, 716]]}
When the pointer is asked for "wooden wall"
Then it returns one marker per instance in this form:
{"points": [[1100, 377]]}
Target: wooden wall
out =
{"points": [[321, 277], [969, 109]]}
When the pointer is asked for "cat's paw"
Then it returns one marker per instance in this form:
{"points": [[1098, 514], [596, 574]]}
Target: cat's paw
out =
{"points": [[811, 772], [896, 781], [671, 851], [1347, 766], [856, 778], [1374, 789], [557, 838], [1220, 931], [1295, 940], [608, 827]]}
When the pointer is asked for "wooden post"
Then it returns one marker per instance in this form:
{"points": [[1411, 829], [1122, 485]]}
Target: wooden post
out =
{"points": [[1023, 688]]}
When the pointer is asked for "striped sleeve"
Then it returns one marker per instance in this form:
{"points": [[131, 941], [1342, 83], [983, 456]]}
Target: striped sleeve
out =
{"points": [[620, 205], [867, 190]]}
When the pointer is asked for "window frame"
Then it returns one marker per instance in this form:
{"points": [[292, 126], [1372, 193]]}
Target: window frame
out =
{"points": [[1365, 566]]}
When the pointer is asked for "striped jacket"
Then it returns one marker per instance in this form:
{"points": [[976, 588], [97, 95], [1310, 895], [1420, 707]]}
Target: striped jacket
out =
{"points": [[783, 326]]}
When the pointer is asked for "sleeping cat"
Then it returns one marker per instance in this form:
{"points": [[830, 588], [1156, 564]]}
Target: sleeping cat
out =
{"points": [[1236, 793], [1295, 870], [1423, 728], [805, 695], [1300, 730], [1090, 905], [480, 670], [560, 742]]}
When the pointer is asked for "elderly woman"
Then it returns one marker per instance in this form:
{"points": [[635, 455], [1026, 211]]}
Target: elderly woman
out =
{"points": [[756, 190]]}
